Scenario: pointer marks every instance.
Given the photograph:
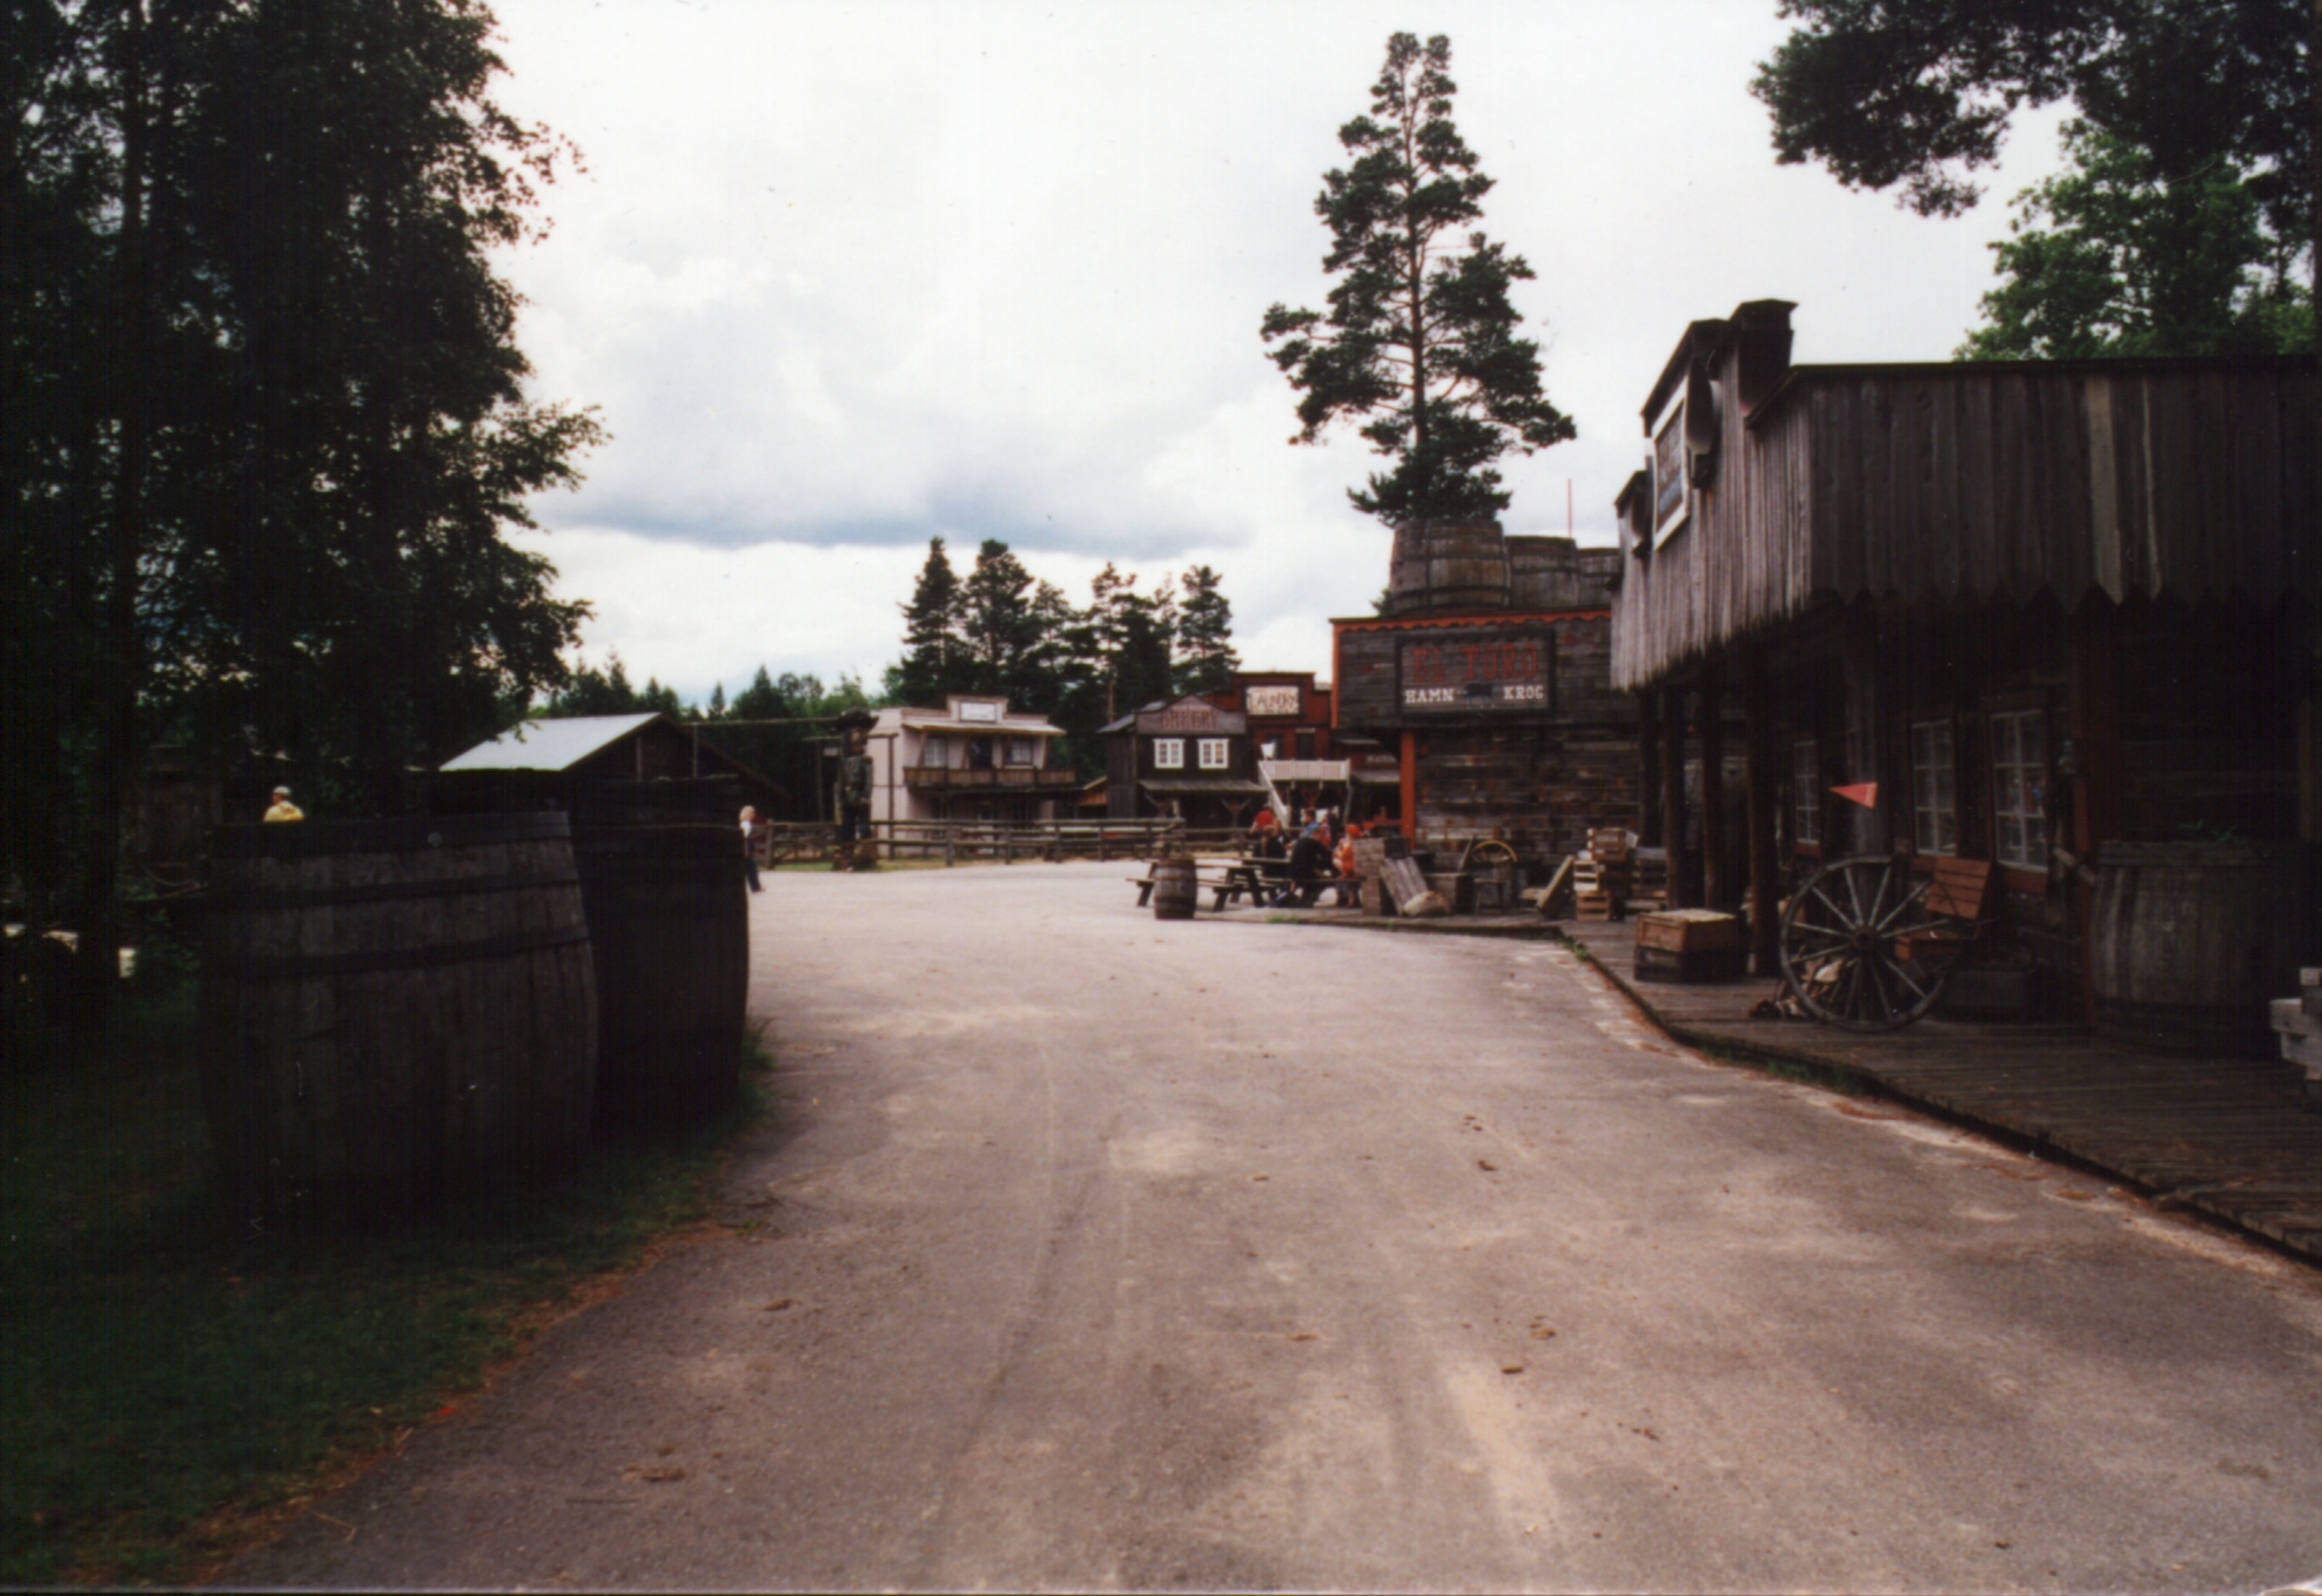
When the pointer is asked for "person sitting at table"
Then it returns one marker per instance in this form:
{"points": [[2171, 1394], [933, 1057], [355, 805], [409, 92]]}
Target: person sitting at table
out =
{"points": [[1310, 864]]}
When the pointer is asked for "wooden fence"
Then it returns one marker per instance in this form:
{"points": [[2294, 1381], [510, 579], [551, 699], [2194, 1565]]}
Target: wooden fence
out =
{"points": [[965, 842]]}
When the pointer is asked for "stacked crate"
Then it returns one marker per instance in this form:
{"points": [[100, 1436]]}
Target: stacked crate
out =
{"points": [[1649, 888], [1603, 876]]}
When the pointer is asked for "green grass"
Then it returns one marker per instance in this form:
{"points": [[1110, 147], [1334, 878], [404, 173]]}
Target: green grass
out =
{"points": [[164, 1382]]}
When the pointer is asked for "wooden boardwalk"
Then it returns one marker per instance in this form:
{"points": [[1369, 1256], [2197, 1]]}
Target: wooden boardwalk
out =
{"points": [[2229, 1138]]}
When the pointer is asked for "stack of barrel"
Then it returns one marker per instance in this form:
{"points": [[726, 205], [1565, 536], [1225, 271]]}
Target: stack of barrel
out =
{"points": [[415, 1016]]}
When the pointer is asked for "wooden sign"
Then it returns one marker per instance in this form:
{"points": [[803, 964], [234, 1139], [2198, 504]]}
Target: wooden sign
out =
{"points": [[1472, 670], [1194, 717], [1671, 500], [1271, 700]]}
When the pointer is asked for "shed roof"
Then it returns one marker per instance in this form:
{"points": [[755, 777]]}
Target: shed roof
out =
{"points": [[551, 744]]}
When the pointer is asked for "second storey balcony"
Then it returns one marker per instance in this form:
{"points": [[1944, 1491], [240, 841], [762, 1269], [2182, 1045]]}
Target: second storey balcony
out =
{"points": [[1008, 778]]}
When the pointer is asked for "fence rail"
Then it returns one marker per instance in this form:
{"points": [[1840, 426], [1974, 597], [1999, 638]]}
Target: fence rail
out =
{"points": [[962, 842]]}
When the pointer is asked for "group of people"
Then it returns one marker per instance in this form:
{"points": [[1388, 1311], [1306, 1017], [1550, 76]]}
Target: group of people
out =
{"points": [[1313, 847]]}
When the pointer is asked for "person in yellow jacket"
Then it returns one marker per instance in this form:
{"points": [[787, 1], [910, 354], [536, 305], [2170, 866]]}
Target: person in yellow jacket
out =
{"points": [[283, 808]]}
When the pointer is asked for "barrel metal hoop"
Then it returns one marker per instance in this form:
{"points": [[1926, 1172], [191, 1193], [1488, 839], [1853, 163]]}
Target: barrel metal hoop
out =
{"points": [[419, 958], [281, 897]]}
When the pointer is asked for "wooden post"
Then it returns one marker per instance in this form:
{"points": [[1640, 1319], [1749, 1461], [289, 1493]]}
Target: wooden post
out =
{"points": [[1858, 665], [948, 844], [2095, 708], [1649, 769], [1765, 898], [1673, 793], [1716, 870], [1411, 786]]}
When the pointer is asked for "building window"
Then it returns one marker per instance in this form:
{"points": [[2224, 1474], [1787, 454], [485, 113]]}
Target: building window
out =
{"points": [[2019, 781], [1022, 751], [1305, 743], [1935, 802], [1213, 753], [1168, 753], [1805, 791], [935, 753]]}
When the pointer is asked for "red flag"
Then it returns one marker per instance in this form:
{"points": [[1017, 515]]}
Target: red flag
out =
{"points": [[1865, 793]]}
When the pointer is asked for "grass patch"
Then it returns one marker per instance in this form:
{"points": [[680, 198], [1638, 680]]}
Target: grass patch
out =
{"points": [[164, 1382]]}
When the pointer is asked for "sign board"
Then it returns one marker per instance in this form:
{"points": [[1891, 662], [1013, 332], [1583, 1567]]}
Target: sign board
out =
{"points": [[1480, 669], [1671, 500], [1271, 700], [1191, 716], [984, 712]]}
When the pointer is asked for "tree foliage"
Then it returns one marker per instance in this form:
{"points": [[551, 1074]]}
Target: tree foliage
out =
{"points": [[2112, 258], [1918, 93], [1419, 340], [1206, 660], [932, 664], [261, 410]]}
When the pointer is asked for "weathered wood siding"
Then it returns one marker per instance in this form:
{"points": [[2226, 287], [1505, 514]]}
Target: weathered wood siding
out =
{"points": [[1978, 481]]}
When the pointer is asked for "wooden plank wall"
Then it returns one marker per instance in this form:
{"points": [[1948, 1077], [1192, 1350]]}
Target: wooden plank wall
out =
{"points": [[1972, 482]]}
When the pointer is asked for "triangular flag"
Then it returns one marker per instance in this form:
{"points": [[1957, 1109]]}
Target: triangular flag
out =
{"points": [[1865, 793]]}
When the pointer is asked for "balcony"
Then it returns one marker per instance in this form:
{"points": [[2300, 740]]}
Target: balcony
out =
{"points": [[1005, 778]]}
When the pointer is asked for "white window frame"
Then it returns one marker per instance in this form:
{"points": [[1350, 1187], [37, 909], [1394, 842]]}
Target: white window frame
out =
{"points": [[2019, 788], [1213, 753], [1805, 791], [1023, 751], [935, 752], [1934, 789], [1168, 753]]}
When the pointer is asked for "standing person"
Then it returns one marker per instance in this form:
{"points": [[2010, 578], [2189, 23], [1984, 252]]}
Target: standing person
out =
{"points": [[753, 831], [282, 809]]}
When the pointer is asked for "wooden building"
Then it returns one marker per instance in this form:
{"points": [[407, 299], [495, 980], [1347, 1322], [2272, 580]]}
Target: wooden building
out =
{"points": [[1482, 706], [1186, 758], [541, 762], [2029, 611], [974, 759]]}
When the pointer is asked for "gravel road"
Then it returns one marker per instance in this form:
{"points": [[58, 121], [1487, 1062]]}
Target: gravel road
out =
{"points": [[1096, 1251]]}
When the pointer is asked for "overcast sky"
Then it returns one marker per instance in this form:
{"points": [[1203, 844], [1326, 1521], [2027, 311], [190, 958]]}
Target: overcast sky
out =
{"points": [[842, 277]]}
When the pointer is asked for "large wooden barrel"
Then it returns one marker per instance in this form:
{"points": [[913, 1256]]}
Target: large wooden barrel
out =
{"points": [[1175, 888], [1449, 568], [1544, 574], [669, 933], [2190, 941], [396, 1016]]}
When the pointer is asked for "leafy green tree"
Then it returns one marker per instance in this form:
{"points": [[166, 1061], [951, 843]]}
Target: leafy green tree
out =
{"points": [[935, 657], [1919, 93], [1205, 656], [272, 426], [1420, 342], [2111, 258]]}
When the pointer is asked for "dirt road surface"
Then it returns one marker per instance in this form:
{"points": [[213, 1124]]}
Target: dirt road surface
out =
{"points": [[1097, 1252]]}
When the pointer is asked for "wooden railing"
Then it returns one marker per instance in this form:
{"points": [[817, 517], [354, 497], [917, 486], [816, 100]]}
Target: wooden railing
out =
{"points": [[918, 778]]}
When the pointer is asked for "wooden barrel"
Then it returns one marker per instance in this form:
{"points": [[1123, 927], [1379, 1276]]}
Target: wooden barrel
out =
{"points": [[669, 930], [1544, 574], [1175, 888], [396, 1016], [1449, 568], [2189, 940]]}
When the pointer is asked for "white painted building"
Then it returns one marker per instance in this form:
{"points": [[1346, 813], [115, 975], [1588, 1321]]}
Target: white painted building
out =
{"points": [[972, 760]]}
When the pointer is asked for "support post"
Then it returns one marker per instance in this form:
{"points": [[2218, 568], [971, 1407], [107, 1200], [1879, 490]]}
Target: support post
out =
{"points": [[2095, 708], [1673, 793], [1411, 786], [1648, 768], [1765, 896], [1716, 870]]}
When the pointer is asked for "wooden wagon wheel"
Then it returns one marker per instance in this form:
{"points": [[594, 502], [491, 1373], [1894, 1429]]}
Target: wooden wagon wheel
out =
{"points": [[1860, 949], [1494, 845]]}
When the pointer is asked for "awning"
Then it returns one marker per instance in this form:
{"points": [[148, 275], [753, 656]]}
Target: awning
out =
{"points": [[1204, 787], [1376, 778], [1296, 770]]}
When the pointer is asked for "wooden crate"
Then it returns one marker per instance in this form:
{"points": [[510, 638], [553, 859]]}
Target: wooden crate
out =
{"points": [[1688, 931]]}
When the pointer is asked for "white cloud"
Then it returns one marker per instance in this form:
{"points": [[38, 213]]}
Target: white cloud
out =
{"points": [[846, 277]]}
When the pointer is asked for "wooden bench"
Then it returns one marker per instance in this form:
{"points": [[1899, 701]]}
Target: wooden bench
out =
{"points": [[1233, 881]]}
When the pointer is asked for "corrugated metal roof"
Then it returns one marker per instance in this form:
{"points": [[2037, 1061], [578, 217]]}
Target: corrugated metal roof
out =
{"points": [[550, 744]]}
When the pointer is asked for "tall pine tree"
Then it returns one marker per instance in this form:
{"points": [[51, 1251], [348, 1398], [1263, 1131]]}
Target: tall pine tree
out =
{"points": [[935, 657], [1420, 343], [1205, 656]]}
